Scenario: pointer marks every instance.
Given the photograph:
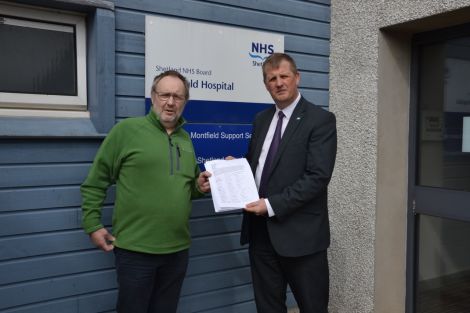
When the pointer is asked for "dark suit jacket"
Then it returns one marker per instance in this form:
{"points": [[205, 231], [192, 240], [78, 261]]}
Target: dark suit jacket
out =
{"points": [[297, 188]]}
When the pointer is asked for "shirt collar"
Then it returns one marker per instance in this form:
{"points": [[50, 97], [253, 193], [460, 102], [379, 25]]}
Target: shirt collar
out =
{"points": [[290, 108]]}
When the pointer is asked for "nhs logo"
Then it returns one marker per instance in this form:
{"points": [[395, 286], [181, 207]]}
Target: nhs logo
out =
{"points": [[259, 52]]}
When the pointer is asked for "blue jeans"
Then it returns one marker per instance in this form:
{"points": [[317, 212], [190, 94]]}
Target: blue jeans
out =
{"points": [[149, 283]]}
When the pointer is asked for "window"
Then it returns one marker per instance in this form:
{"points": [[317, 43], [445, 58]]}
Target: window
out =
{"points": [[42, 59], [79, 100], [444, 98]]}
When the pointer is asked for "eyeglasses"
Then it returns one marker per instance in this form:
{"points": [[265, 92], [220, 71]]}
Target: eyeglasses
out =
{"points": [[165, 96]]}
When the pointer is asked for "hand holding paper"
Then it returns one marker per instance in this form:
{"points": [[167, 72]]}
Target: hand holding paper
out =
{"points": [[258, 207], [232, 184], [203, 181]]}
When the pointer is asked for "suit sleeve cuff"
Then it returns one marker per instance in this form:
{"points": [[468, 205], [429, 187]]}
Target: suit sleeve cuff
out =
{"points": [[270, 208]]}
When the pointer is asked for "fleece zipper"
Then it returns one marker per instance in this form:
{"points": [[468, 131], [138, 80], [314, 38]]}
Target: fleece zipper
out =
{"points": [[177, 155]]}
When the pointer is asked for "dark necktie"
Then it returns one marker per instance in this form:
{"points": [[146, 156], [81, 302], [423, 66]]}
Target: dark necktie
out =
{"points": [[270, 156]]}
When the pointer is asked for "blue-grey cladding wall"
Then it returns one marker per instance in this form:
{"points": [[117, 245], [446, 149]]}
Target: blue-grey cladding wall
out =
{"points": [[47, 263]]}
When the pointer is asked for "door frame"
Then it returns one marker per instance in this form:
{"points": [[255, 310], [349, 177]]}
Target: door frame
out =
{"points": [[426, 200]]}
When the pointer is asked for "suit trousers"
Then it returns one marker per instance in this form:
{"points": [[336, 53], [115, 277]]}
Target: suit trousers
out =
{"points": [[307, 275], [149, 283]]}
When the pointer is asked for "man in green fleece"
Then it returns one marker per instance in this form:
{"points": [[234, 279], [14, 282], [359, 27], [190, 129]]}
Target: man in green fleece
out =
{"points": [[151, 160]]}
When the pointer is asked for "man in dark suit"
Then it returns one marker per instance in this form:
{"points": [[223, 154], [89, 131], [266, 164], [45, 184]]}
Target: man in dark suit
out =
{"points": [[292, 156]]}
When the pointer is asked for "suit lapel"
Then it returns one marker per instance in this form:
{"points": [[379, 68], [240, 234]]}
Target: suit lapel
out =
{"points": [[264, 123], [294, 122]]}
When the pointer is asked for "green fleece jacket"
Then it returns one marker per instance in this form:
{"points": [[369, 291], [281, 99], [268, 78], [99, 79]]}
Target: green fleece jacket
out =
{"points": [[155, 176]]}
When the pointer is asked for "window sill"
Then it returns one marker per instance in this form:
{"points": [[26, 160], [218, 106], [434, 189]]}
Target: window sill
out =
{"points": [[28, 126]]}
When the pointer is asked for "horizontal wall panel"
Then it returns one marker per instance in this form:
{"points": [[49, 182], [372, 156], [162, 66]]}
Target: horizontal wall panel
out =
{"points": [[295, 8], [47, 289], [215, 244], [328, 2], [97, 302], [43, 244], [318, 97], [130, 106], [47, 151], [43, 174], [217, 262], [169, 7], [132, 21], [216, 281], [130, 64], [196, 284], [93, 260], [130, 85], [38, 221], [257, 20], [204, 207], [101, 302], [301, 44], [311, 63], [29, 222], [249, 306], [215, 225], [39, 198], [55, 265], [314, 80], [130, 42], [245, 307], [214, 299], [70, 218], [44, 197], [27, 126]]}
